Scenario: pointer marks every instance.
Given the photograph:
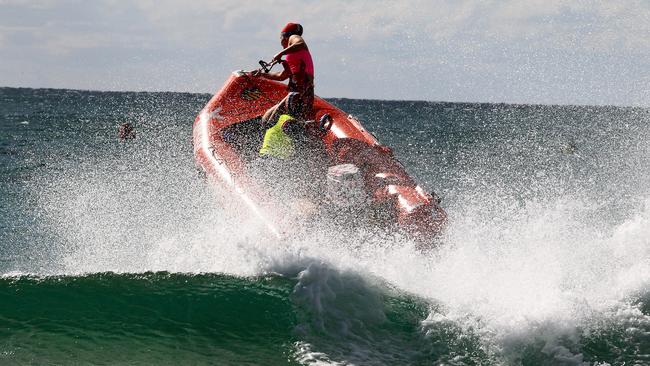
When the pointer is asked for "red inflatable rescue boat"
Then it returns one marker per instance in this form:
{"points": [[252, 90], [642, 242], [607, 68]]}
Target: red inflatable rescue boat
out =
{"points": [[227, 135]]}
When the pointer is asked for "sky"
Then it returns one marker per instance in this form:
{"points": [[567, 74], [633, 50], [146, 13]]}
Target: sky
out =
{"points": [[533, 51]]}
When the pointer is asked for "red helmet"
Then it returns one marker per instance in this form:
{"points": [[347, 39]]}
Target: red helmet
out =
{"points": [[291, 29]]}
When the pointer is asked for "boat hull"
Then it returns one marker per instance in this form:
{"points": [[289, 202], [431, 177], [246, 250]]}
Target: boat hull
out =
{"points": [[243, 99]]}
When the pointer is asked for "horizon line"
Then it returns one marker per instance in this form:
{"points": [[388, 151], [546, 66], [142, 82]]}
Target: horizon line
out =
{"points": [[367, 99]]}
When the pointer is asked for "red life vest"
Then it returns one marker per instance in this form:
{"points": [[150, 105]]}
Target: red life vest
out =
{"points": [[301, 67]]}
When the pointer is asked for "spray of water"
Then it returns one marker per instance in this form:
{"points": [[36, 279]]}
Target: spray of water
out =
{"points": [[545, 271]]}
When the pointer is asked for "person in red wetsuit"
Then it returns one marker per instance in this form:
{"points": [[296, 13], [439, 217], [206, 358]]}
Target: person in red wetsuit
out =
{"points": [[298, 68]]}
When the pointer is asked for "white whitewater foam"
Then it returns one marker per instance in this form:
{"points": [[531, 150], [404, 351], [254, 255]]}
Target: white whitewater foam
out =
{"points": [[509, 269], [530, 270]]}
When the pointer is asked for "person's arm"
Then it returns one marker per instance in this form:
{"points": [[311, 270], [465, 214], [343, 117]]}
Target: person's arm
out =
{"points": [[296, 43], [278, 76]]}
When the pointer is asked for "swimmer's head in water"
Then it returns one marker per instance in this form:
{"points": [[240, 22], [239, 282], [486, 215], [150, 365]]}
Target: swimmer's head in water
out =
{"points": [[126, 131]]}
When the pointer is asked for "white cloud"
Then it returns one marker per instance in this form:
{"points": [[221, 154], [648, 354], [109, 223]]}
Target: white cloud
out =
{"points": [[42, 4], [461, 50]]}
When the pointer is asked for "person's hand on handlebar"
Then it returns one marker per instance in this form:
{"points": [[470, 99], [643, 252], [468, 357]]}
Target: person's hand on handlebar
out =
{"points": [[266, 68]]}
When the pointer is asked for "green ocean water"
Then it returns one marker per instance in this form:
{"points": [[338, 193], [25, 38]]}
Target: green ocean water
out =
{"points": [[117, 253]]}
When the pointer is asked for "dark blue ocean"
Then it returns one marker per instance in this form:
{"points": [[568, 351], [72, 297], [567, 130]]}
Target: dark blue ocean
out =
{"points": [[116, 253]]}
